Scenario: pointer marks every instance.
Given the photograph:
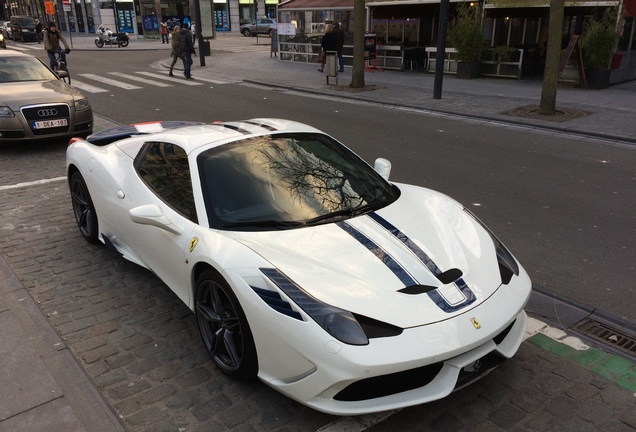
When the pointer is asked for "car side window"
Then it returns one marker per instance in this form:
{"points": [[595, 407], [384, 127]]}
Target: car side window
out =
{"points": [[164, 168]]}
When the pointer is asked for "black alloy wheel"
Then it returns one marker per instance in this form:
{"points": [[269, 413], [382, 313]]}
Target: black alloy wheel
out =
{"points": [[224, 328], [247, 32], [83, 208]]}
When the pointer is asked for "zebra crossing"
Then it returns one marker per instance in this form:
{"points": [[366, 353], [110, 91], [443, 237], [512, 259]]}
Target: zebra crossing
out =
{"points": [[104, 83], [94, 83]]}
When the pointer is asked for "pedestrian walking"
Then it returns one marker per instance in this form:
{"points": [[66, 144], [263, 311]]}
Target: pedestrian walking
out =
{"points": [[187, 50], [328, 43], [38, 30], [164, 32], [339, 35], [176, 48]]}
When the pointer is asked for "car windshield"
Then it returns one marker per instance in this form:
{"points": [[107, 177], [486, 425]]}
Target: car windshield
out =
{"points": [[288, 180], [23, 68]]}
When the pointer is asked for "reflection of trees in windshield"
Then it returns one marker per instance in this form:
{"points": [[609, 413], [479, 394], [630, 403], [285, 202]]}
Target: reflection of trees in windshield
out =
{"points": [[292, 177], [308, 180]]}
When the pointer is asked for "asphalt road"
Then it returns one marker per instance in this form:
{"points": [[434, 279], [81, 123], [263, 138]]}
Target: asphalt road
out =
{"points": [[565, 206]]}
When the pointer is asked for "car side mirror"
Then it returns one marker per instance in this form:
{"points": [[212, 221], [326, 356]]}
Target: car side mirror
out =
{"points": [[62, 74], [383, 167], [151, 214]]}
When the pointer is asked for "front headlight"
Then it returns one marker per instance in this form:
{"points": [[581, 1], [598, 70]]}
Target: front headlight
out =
{"points": [[81, 104], [5, 111], [508, 265], [339, 323]]}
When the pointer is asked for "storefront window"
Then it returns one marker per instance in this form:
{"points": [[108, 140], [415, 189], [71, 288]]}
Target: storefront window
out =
{"points": [[89, 16], [221, 15], [149, 19]]}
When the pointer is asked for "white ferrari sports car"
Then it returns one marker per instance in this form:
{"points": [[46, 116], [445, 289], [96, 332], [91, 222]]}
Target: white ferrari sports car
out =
{"points": [[305, 267]]}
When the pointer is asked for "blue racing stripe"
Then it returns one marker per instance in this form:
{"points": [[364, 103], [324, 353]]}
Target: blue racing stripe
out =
{"points": [[428, 262], [387, 259]]}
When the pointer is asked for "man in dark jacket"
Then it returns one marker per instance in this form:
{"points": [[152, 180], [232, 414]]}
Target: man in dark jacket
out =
{"points": [[52, 39], [187, 50], [339, 34]]}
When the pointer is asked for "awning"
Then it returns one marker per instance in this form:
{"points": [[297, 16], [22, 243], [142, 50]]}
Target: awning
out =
{"points": [[316, 4], [492, 4], [405, 2]]}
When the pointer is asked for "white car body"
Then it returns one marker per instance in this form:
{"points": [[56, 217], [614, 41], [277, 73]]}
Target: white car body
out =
{"points": [[458, 330]]}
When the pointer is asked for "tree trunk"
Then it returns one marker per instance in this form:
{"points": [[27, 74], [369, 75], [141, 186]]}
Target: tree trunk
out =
{"points": [[553, 59], [357, 74]]}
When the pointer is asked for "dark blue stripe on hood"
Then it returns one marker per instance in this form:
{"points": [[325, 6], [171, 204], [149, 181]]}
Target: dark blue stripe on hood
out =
{"points": [[400, 271], [387, 259]]}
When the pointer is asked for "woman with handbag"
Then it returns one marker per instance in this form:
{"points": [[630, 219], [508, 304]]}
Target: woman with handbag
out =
{"points": [[328, 43]]}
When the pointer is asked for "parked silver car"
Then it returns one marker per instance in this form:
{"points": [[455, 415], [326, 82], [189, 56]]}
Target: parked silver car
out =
{"points": [[36, 105], [260, 26]]}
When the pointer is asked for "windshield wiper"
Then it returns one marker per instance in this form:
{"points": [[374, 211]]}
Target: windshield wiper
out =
{"points": [[357, 211], [264, 223]]}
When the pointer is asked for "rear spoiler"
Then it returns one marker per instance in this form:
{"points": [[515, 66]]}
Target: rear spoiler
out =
{"points": [[126, 131]]}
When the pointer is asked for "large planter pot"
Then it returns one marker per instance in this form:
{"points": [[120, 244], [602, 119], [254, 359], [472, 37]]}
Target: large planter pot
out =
{"points": [[598, 79], [467, 70]]}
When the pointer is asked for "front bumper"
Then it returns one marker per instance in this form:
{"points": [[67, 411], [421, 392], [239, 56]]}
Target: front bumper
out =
{"points": [[21, 127]]}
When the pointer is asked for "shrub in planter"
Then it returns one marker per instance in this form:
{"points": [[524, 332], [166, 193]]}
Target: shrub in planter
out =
{"points": [[597, 42], [466, 37], [503, 53]]}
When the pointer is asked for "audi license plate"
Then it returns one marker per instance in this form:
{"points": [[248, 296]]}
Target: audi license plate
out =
{"points": [[50, 123]]}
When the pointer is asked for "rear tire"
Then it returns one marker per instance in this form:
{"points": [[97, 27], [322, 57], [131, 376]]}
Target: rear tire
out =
{"points": [[223, 326], [83, 208], [123, 44]]}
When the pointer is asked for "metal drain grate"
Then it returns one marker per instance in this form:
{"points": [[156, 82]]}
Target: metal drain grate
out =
{"points": [[607, 335]]}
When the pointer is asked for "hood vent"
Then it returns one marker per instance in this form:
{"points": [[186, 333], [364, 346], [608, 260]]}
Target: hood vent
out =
{"points": [[417, 289], [450, 276]]}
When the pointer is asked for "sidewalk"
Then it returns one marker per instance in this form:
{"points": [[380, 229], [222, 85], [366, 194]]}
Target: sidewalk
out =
{"points": [[42, 385]]}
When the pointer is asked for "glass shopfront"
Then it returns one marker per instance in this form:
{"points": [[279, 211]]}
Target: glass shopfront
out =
{"points": [[222, 15]]}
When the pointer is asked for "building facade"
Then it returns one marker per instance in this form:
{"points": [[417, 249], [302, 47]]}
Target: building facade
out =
{"points": [[142, 18]]}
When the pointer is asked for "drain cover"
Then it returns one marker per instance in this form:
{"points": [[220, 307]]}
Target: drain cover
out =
{"points": [[607, 335], [561, 115]]}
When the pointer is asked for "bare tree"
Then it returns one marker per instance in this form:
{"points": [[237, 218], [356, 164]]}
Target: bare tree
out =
{"points": [[357, 74], [553, 59]]}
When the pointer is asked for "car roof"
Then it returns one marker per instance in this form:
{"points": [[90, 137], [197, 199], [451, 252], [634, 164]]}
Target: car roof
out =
{"points": [[196, 136]]}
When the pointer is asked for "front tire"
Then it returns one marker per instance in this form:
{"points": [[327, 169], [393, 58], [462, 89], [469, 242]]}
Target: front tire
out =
{"points": [[99, 43], [247, 32], [83, 208], [67, 78], [224, 328]]}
